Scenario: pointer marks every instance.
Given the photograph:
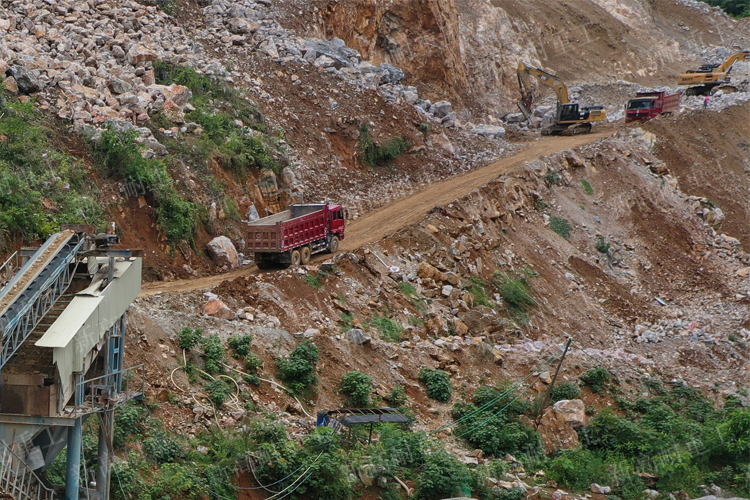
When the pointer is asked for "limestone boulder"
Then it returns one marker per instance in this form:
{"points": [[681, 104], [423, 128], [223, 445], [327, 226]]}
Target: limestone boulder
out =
{"points": [[223, 252]]}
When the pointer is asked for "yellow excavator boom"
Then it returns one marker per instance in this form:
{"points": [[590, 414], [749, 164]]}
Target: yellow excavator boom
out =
{"points": [[712, 75], [568, 114]]}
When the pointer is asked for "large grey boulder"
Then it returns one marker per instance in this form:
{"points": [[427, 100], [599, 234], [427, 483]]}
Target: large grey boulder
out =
{"points": [[223, 252], [27, 82]]}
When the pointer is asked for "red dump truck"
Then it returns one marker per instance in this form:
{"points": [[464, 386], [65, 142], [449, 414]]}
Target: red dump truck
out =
{"points": [[292, 236], [647, 105]]}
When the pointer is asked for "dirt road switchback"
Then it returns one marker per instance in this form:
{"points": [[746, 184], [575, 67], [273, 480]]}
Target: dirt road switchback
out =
{"points": [[408, 210]]}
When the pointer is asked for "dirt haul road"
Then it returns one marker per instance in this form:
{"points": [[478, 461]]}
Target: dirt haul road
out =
{"points": [[409, 210]]}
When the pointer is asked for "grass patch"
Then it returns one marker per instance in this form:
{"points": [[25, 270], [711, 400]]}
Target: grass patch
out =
{"points": [[587, 188], [516, 293], [416, 300], [374, 154], [603, 245], [560, 226], [314, 281], [480, 292], [41, 187], [390, 330]]}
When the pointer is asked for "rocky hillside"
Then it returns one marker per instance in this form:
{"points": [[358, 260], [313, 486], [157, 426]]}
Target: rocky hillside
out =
{"points": [[476, 250]]}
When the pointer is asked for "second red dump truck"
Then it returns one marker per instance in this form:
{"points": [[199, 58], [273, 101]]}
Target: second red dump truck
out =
{"points": [[647, 105], [292, 236]]}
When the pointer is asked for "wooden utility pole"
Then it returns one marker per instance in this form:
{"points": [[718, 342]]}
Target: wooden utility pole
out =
{"points": [[548, 395]]}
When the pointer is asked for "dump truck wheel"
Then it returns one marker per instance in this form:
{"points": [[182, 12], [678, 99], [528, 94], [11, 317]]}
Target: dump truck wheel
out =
{"points": [[334, 246], [296, 257], [305, 254]]}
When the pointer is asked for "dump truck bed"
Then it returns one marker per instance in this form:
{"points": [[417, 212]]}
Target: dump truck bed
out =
{"points": [[300, 225]]}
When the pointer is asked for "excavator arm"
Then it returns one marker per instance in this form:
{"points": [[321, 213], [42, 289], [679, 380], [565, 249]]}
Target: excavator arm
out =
{"points": [[727, 65], [525, 73]]}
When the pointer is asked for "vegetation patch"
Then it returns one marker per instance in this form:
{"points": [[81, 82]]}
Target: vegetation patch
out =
{"points": [[560, 226], [357, 387], [41, 187], [603, 245], [587, 188], [516, 293], [390, 330], [298, 370], [438, 383], [597, 379], [374, 154]]}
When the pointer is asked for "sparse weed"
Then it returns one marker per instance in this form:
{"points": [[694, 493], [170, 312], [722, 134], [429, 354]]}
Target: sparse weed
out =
{"points": [[560, 226], [390, 329]]}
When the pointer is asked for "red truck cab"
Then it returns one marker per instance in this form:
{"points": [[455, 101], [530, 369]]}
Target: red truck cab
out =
{"points": [[647, 105], [291, 237]]}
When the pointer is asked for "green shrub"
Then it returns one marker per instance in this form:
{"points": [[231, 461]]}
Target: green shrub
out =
{"points": [[516, 292], [438, 383], [578, 469], [121, 157], [128, 423], [298, 370], [373, 154], [241, 345], [397, 397], [443, 476], [219, 391], [313, 281], [602, 245], [587, 187], [162, 448], [553, 177], [560, 226], [736, 432], [565, 390], [357, 387], [479, 291], [214, 351], [189, 338], [515, 493], [597, 378], [390, 330]]}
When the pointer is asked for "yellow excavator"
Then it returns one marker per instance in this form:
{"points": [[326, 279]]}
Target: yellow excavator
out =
{"points": [[569, 117], [709, 76]]}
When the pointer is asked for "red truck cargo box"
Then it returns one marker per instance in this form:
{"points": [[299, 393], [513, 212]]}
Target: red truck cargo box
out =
{"points": [[293, 228]]}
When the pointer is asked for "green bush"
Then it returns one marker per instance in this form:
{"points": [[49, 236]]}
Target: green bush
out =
{"points": [[374, 154], [597, 378], [735, 8], [162, 448], [313, 281], [602, 245], [121, 157], [565, 390], [390, 330], [587, 187], [41, 185], [443, 476], [128, 423], [189, 338], [516, 292], [479, 291], [560, 226], [214, 351], [397, 397], [219, 391], [298, 370], [515, 493], [553, 177], [357, 387], [578, 469], [438, 383], [241, 345], [736, 432]]}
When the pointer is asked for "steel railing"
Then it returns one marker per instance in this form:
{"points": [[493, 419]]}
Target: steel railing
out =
{"points": [[101, 393], [17, 330], [18, 480], [9, 269]]}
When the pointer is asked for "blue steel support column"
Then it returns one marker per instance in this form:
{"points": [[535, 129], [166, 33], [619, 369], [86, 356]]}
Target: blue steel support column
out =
{"points": [[75, 435]]}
